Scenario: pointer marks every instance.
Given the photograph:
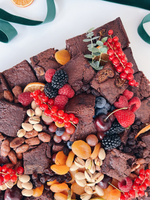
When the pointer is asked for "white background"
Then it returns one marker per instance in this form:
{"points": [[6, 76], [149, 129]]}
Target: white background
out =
{"points": [[73, 17]]}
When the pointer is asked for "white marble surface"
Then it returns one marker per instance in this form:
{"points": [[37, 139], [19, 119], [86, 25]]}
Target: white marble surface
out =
{"points": [[73, 17]]}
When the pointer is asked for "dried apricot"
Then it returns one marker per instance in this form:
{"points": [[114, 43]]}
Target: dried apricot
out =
{"points": [[49, 183], [60, 158], [60, 169], [95, 151], [60, 196], [81, 149], [60, 187], [38, 191], [77, 189], [114, 195], [106, 192], [62, 56], [70, 159]]}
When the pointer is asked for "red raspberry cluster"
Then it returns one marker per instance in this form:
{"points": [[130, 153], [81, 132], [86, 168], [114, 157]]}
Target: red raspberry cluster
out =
{"points": [[7, 174], [119, 59], [47, 105], [139, 186]]}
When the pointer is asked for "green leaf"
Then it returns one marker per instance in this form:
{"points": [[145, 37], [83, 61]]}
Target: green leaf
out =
{"points": [[91, 29], [91, 45], [96, 54], [88, 56], [99, 43], [95, 65], [104, 39], [89, 35], [86, 40], [103, 50], [94, 38], [93, 49]]}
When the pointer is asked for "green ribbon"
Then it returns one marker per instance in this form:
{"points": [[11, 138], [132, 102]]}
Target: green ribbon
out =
{"points": [[8, 32]]}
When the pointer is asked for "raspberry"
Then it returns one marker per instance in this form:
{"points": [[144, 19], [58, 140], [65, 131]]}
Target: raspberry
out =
{"points": [[67, 91], [125, 185], [25, 99], [134, 104], [61, 101], [128, 94], [125, 117], [122, 102], [49, 75]]}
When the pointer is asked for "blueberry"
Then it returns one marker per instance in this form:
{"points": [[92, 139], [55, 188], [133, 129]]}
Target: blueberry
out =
{"points": [[99, 111], [100, 102], [69, 144], [107, 106], [60, 131]]}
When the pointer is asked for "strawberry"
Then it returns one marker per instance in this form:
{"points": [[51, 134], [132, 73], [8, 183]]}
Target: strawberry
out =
{"points": [[134, 104], [60, 101], [49, 75], [67, 91], [125, 117], [122, 102], [128, 94]]}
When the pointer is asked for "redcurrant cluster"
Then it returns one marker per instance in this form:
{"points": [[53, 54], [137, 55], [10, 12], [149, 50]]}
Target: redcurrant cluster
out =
{"points": [[139, 186], [47, 105], [119, 59], [7, 174]]}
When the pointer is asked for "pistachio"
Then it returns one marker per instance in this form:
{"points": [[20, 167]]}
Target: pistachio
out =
{"points": [[34, 120], [98, 168], [92, 169], [91, 184], [102, 154], [79, 176], [81, 183], [9, 184], [99, 190], [24, 178], [85, 196], [98, 161], [27, 126], [38, 127], [88, 163], [73, 167], [79, 162], [21, 133], [19, 184], [88, 190], [27, 193], [30, 112], [27, 185], [3, 187], [88, 175], [33, 105], [38, 111]]}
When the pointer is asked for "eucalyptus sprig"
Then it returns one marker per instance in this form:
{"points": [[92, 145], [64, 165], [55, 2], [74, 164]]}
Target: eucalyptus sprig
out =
{"points": [[96, 47]]}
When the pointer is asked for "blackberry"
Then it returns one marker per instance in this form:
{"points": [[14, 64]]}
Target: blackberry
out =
{"points": [[116, 128], [111, 141], [59, 79], [50, 91]]}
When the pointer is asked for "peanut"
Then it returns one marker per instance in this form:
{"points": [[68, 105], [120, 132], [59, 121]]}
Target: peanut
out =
{"points": [[23, 148], [27, 185], [16, 142], [12, 156], [27, 126], [27, 193], [19, 156], [5, 148], [38, 127], [44, 137], [33, 105], [32, 141], [31, 134], [24, 178], [38, 111], [8, 95], [30, 112]]}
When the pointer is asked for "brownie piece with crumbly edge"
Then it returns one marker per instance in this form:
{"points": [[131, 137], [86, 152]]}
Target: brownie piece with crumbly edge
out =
{"points": [[44, 61], [79, 71], [37, 159], [75, 45], [3, 86], [21, 74]]}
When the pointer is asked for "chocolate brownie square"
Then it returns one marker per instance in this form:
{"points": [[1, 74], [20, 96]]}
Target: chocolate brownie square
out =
{"points": [[37, 159], [44, 61], [143, 90], [3, 86], [83, 107], [79, 71], [11, 118], [76, 44], [21, 74]]}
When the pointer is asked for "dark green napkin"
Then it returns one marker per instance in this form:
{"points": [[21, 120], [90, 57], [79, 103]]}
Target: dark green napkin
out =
{"points": [[8, 32]]}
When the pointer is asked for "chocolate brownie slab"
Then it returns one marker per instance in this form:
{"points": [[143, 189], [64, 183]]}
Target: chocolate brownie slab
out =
{"points": [[21, 74], [76, 44], [11, 118], [3, 86], [79, 71], [44, 61], [37, 159]]}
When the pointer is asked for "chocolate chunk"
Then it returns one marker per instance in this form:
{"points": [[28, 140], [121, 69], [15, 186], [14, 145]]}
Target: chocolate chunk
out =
{"points": [[104, 74]]}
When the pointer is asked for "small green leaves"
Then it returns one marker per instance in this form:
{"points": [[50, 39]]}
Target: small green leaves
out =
{"points": [[99, 43], [96, 66], [104, 39], [88, 56], [90, 30], [86, 40]]}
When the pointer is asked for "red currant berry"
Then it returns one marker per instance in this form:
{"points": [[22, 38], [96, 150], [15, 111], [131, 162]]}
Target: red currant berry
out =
{"points": [[110, 52], [60, 113], [9, 171], [141, 177], [4, 168], [136, 84], [119, 69], [147, 172], [111, 57], [129, 64], [1, 180], [142, 187], [42, 94], [110, 32], [54, 109], [115, 61], [135, 186], [76, 120], [142, 171], [13, 178], [126, 194], [38, 101], [67, 124], [147, 182], [6, 178], [141, 193], [13, 171], [36, 93], [117, 44], [131, 83], [47, 112], [137, 181], [105, 43], [122, 197], [120, 53], [131, 70], [50, 102], [43, 106], [115, 39], [54, 118], [65, 115], [60, 121], [127, 70], [0, 168], [130, 77], [123, 75], [20, 170], [132, 193], [124, 60], [66, 119], [31, 94], [71, 117], [109, 40], [45, 99]]}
